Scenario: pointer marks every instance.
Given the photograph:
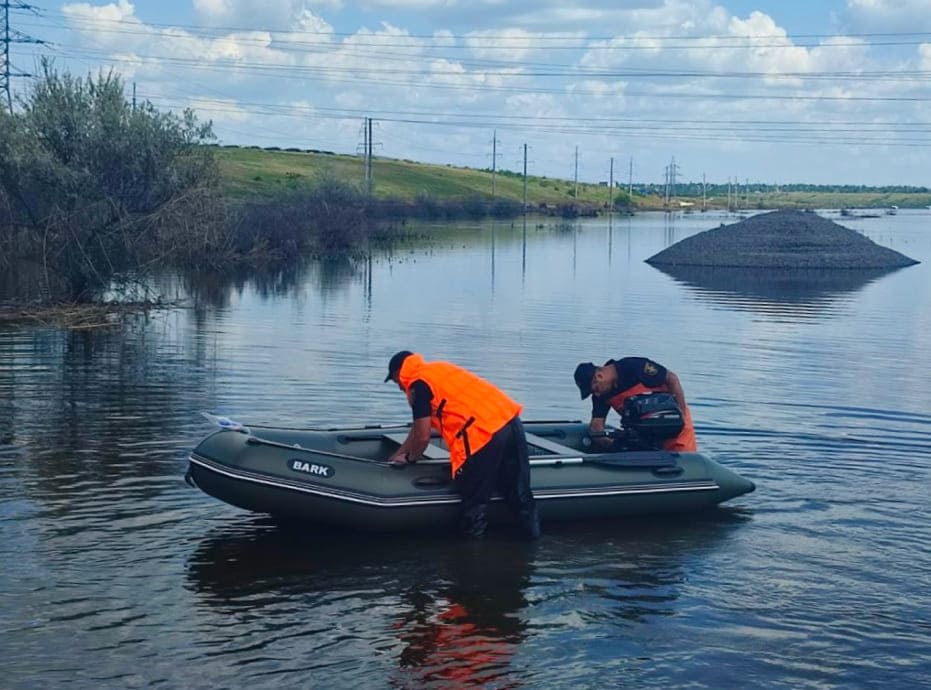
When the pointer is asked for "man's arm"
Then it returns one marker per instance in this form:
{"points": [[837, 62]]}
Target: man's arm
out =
{"points": [[596, 428], [672, 383], [415, 443]]}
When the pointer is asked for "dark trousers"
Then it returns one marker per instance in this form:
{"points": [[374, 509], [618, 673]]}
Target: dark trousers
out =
{"points": [[502, 464]]}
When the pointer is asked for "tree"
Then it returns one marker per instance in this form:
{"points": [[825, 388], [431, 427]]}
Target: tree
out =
{"points": [[91, 187]]}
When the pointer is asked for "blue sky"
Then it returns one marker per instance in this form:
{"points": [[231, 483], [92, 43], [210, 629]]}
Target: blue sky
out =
{"points": [[774, 91]]}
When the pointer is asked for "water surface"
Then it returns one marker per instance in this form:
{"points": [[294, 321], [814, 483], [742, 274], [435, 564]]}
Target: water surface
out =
{"points": [[117, 574]]}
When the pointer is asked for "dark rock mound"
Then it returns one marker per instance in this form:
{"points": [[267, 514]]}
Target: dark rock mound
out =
{"points": [[781, 239]]}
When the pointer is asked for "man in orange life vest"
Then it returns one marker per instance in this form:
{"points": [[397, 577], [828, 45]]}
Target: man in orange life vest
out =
{"points": [[611, 384], [481, 428]]}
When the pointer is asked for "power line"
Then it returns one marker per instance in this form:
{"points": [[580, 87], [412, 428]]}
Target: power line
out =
{"points": [[492, 39], [826, 135], [516, 69], [302, 73]]}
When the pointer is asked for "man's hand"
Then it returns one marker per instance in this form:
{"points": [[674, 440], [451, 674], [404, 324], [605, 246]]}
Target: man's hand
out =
{"points": [[603, 442], [399, 459], [600, 439]]}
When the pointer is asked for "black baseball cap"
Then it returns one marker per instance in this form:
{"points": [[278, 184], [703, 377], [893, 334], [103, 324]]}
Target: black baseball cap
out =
{"points": [[584, 373], [394, 364]]}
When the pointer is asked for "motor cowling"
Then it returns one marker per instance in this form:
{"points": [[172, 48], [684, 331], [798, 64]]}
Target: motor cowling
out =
{"points": [[652, 416]]}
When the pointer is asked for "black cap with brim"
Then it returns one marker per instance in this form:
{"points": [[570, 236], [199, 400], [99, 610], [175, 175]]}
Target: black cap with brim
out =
{"points": [[584, 373], [394, 364]]}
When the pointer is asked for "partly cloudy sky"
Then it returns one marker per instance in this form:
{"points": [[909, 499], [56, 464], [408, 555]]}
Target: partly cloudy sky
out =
{"points": [[775, 91]]}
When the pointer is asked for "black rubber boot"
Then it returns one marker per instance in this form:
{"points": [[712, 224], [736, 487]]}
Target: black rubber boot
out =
{"points": [[473, 523], [530, 523]]}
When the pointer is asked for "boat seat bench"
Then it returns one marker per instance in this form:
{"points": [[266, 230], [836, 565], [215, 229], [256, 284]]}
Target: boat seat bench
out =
{"points": [[434, 452]]}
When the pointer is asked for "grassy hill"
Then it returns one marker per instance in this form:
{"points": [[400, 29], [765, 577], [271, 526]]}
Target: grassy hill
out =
{"points": [[262, 173]]}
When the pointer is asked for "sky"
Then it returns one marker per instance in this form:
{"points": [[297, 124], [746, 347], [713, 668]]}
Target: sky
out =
{"points": [[765, 91]]}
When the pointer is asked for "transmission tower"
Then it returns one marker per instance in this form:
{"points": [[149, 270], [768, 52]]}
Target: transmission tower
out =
{"points": [[10, 35]]}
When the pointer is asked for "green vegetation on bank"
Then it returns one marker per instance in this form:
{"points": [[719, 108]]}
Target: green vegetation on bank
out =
{"points": [[263, 173], [255, 173]]}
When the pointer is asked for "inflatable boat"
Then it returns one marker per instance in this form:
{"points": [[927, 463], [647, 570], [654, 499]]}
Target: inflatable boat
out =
{"points": [[339, 477]]}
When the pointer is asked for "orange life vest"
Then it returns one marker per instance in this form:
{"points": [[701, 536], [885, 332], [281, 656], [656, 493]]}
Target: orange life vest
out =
{"points": [[685, 441], [465, 409]]}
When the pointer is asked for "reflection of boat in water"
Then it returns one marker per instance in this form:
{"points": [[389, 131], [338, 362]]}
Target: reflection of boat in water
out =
{"points": [[773, 289], [429, 611], [339, 477], [257, 558]]}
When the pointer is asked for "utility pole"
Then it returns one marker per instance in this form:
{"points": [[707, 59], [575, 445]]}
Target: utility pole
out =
{"points": [[369, 158], [9, 35], [134, 96], [365, 154], [630, 181], [525, 180], [703, 196], [611, 186], [671, 189], [367, 145], [577, 173], [494, 161]]}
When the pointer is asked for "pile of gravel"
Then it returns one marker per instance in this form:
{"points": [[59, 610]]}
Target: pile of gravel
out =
{"points": [[781, 239]]}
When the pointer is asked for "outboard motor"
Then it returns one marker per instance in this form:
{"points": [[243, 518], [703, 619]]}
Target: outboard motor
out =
{"points": [[652, 417], [647, 420]]}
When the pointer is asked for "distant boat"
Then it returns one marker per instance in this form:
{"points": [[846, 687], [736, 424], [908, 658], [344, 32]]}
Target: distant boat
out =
{"points": [[892, 210]]}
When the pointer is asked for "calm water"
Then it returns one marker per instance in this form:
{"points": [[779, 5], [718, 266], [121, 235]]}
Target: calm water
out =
{"points": [[117, 574]]}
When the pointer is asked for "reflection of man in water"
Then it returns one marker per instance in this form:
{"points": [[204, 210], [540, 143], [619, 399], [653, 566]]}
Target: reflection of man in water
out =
{"points": [[467, 633]]}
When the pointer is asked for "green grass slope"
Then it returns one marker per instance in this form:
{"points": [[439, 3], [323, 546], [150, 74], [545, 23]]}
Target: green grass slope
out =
{"points": [[248, 173], [262, 173]]}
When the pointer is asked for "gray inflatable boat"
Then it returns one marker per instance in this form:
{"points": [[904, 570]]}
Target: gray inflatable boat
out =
{"points": [[339, 477]]}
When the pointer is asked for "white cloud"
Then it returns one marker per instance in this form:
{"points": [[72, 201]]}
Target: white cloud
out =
{"points": [[268, 14], [326, 5], [119, 11], [280, 83], [889, 15], [924, 53], [444, 38]]}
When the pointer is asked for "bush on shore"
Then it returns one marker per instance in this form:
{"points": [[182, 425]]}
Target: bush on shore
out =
{"points": [[91, 187]]}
